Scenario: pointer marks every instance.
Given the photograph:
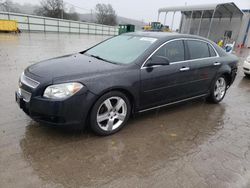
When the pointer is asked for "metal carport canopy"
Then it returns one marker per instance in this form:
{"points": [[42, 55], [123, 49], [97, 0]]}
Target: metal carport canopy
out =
{"points": [[222, 10], [211, 11]]}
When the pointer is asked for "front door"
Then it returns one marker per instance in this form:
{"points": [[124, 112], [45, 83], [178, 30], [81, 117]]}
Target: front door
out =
{"points": [[162, 84]]}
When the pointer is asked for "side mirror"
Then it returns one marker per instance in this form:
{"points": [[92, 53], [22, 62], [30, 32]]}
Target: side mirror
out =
{"points": [[158, 60]]}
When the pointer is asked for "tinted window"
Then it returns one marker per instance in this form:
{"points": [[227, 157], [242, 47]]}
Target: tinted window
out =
{"points": [[173, 51], [198, 49], [211, 50]]}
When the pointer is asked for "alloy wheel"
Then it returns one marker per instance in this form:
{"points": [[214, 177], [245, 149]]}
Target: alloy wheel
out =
{"points": [[111, 113], [220, 88]]}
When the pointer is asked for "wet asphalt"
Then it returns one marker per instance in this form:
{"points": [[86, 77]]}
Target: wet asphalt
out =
{"points": [[194, 144]]}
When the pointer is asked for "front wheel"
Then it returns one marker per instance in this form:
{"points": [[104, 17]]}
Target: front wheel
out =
{"points": [[218, 90], [110, 113]]}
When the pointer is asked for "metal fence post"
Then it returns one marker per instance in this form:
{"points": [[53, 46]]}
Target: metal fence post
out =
{"points": [[69, 27], [79, 27], [28, 18], [44, 22], [58, 25]]}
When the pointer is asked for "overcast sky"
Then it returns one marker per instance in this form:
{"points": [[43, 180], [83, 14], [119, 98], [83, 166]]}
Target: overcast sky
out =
{"points": [[140, 9]]}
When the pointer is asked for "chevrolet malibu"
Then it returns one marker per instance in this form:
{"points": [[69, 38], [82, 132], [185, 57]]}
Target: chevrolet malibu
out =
{"points": [[127, 74]]}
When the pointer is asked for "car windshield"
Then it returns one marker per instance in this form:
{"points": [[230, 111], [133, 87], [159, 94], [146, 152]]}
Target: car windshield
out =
{"points": [[122, 49]]}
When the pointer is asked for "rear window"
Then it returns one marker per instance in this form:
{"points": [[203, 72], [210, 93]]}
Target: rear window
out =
{"points": [[198, 49], [211, 50]]}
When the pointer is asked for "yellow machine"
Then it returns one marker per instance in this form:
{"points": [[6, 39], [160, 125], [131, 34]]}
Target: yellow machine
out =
{"points": [[156, 26], [147, 27], [8, 25]]}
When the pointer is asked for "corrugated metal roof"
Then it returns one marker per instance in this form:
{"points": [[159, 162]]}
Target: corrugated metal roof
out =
{"points": [[189, 8], [222, 10]]}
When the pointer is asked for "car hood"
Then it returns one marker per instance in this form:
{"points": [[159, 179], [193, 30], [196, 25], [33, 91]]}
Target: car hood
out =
{"points": [[70, 65]]}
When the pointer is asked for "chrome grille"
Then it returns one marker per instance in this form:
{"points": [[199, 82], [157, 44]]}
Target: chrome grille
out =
{"points": [[24, 94], [28, 81]]}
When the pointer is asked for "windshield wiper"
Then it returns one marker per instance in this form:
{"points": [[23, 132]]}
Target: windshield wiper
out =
{"points": [[100, 58]]}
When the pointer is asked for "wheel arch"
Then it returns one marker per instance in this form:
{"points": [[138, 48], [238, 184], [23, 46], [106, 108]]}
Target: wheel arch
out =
{"points": [[228, 78], [226, 71], [131, 97], [126, 92]]}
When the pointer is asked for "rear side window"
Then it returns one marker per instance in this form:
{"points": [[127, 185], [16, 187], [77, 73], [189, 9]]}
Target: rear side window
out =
{"points": [[173, 51], [198, 49], [211, 50]]}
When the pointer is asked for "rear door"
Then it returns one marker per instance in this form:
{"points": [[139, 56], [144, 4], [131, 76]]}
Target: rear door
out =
{"points": [[204, 63]]}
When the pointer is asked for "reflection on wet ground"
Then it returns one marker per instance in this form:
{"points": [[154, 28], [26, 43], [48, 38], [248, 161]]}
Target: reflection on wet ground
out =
{"points": [[195, 144]]}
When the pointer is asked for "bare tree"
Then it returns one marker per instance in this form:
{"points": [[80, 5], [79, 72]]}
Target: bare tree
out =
{"points": [[8, 6], [105, 14], [55, 9], [50, 8]]}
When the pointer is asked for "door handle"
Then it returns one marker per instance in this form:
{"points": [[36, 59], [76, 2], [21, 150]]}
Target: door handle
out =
{"points": [[184, 69], [217, 63]]}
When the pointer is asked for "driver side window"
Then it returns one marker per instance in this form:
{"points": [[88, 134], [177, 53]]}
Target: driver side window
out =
{"points": [[173, 51]]}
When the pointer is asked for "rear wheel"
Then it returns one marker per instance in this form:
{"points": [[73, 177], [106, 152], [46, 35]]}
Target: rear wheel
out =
{"points": [[218, 90], [110, 113]]}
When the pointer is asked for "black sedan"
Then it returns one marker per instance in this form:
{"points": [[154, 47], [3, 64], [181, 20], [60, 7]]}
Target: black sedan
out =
{"points": [[131, 73]]}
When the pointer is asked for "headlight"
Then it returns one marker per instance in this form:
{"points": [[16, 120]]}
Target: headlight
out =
{"points": [[61, 91]]}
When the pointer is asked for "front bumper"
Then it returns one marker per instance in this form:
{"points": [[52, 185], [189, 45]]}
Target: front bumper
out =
{"points": [[246, 67], [70, 112]]}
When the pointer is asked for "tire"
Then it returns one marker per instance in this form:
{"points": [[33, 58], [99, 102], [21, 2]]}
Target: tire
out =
{"points": [[218, 90], [106, 117]]}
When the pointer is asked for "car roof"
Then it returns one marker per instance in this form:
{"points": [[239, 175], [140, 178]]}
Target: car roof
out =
{"points": [[164, 35]]}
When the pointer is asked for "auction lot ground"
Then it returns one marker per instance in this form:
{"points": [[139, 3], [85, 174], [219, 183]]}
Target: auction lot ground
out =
{"points": [[195, 144]]}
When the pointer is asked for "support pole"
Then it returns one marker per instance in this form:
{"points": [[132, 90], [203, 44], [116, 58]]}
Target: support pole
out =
{"points": [[190, 22], [158, 16], [238, 33], [180, 26], [184, 17], [172, 24], [165, 18], [209, 30], [198, 32]]}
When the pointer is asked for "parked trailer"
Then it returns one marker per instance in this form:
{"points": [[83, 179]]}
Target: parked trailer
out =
{"points": [[8, 26]]}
